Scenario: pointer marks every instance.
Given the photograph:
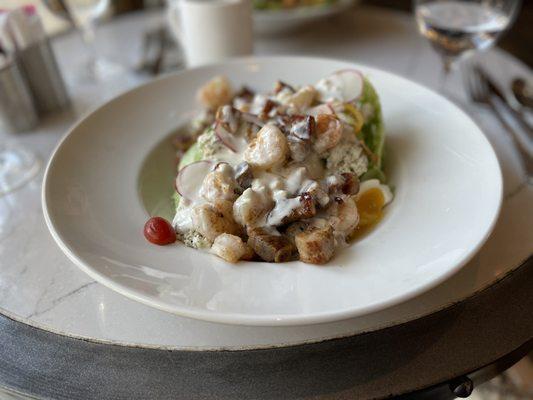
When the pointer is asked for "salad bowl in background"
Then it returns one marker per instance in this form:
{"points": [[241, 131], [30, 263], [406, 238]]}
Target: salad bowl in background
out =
{"points": [[271, 20], [116, 167]]}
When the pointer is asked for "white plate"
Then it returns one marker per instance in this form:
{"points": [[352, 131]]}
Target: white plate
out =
{"points": [[446, 176], [281, 21]]}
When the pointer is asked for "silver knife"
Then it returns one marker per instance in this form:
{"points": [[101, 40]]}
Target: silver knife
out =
{"points": [[495, 90]]}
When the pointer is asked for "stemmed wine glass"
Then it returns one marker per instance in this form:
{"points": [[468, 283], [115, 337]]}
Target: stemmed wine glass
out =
{"points": [[17, 166], [458, 28], [84, 14]]}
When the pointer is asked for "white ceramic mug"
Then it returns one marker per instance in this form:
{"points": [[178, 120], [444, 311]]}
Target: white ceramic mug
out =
{"points": [[211, 30]]}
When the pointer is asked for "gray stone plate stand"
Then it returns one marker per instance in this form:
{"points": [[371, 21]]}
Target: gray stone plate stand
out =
{"points": [[427, 358]]}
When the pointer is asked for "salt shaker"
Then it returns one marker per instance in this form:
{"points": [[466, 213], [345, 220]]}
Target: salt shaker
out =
{"points": [[37, 60], [42, 73]]}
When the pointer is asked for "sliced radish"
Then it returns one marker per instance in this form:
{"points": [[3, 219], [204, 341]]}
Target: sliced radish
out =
{"points": [[218, 164], [253, 119], [345, 85], [233, 142], [190, 178]]}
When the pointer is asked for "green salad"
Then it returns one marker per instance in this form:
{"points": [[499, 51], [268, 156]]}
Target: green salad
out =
{"points": [[292, 173]]}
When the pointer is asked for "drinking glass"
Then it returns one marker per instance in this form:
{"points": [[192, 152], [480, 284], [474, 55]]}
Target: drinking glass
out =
{"points": [[84, 14], [17, 166], [458, 28]]}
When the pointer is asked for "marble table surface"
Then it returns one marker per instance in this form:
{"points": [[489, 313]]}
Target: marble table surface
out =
{"points": [[40, 286]]}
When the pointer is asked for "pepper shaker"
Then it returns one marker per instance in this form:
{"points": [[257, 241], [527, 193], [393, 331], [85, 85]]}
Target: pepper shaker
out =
{"points": [[40, 68], [36, 59], [17, 110]]}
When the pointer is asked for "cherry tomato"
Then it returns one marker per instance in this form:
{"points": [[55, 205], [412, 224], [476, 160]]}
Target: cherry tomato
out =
{"points": [[158, 230]]}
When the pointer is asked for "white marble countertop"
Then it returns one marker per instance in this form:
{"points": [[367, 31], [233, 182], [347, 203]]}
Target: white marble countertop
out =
{"points": [[40, 286]]}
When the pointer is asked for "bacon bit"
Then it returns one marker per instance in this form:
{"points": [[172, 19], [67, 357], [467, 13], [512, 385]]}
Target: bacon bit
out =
{"points": [[304, 129], [245, 93], [280, 85], [305, 209], [252, 119], [299, 149], [244, 175], [351, 183], [270, 247], [229, 117], [269, 106]]}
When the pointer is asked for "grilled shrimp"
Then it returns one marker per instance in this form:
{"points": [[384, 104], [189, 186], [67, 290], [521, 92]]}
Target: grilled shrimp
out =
{"points": [[231, 248], [344, 216], [210, 222], [251, 206], [328, 132], [215, 93], [219, 184], [303, 98], [269, 149]]}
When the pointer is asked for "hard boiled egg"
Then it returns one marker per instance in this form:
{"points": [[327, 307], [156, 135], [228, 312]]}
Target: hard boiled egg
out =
{"points": [[372, 197], [375, 184]]}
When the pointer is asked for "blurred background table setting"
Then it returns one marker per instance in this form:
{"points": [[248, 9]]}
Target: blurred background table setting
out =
{"points": [[62, 59]]}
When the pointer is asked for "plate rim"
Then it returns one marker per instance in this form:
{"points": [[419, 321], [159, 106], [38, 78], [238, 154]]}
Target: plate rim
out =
{"points": [[272, 320]]}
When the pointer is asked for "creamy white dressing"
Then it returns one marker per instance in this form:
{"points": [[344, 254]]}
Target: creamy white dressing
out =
{"points": [[313, 164], [189, 178], [296, 180], [279, 195], [317, 191], [284, 96], [227, 155], [329, 89], [241, 104], [219, 184], [258, 104], [282, 209], [265, 179], [182, 221]]}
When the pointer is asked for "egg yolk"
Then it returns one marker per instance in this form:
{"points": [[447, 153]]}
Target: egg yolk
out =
{"points": [[370, 207]]}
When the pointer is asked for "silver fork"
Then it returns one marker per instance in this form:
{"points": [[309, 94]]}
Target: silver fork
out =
{"points": [[479, 92]]}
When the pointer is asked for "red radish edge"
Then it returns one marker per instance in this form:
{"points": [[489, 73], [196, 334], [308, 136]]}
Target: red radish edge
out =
{"points": [[361, 78], [225, 137], [219, 163], [180, 183], [252, 119]]}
